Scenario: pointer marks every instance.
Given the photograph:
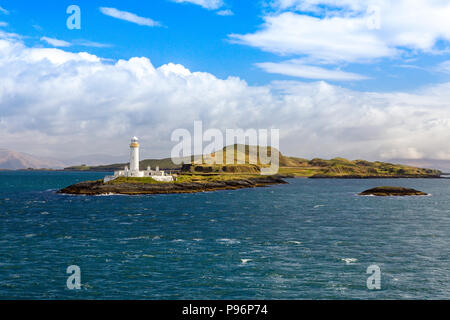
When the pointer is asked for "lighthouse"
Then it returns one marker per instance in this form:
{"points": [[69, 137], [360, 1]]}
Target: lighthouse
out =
{"points": [[134, 156], [134, 172]]}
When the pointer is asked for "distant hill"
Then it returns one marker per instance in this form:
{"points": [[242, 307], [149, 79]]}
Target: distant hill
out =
{"points": [[167, 164], [340, 167], [334, 168], [442, 165], [337, 167], [95, 159], [164, 164], [13, 160]]}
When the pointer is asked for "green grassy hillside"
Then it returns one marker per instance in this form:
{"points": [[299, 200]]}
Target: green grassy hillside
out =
{"points": [[340, 167], [299, 167]]}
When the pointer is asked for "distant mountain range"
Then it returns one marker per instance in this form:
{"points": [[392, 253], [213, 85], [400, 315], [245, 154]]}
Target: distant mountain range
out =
{"points": [[13, 160], [96, 160]]}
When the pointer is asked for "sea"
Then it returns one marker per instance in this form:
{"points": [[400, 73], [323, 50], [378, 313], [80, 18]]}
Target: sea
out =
{"points": [[309, 239]]}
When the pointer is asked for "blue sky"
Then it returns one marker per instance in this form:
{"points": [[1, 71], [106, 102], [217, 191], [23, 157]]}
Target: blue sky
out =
{"points": [[199, 39], [353, 78], [191, 35]]}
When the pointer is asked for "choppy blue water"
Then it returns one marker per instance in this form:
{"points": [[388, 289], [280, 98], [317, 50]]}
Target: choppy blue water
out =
{"points": [[311, 239]]}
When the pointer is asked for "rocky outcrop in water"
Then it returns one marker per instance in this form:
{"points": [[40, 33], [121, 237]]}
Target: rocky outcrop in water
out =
{"points": [[98, 187], [392, 191]]}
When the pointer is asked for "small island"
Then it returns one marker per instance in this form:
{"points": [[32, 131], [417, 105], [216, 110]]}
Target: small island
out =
{"points": [[183, 184], [392, 191], [200, 176]]}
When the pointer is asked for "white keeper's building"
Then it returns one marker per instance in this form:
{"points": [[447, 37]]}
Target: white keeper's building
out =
{"points": [[134, 171]]}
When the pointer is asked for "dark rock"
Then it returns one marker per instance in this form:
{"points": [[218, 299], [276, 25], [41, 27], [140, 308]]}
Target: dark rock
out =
{"points": [[392, 191]]}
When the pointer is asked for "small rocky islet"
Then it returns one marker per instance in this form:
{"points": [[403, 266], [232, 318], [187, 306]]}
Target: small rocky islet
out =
{"points": [[135, 187], [392, 191]]}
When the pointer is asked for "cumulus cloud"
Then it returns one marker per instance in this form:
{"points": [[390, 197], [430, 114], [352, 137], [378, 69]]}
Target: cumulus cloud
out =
{"points": [[415, 24], [207, 4], [130, 17], [351, 31], [62, 104], [333, 39]]}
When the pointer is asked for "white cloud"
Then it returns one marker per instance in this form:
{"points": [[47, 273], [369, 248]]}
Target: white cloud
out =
{"points": [[93, 44], [79, 42], [62, 104], [130, 17], [296, 68], [351, 30], [207, 4], [3, 10], [56, 42], [226, 12], [9, 36], [331, 40], [319, 5], [3, 24], [443, 67], [403, 153]]}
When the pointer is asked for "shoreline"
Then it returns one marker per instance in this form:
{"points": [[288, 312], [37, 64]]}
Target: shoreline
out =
{"points": [[378, 177], [93, 188], [99, 188]]}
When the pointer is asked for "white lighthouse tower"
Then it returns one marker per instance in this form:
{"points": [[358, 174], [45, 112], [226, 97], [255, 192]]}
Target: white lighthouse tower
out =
{"points": [[134, 172], [134, 157]]}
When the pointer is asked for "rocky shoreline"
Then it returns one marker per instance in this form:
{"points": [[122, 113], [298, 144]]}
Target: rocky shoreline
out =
{"points": [[99, 188]]}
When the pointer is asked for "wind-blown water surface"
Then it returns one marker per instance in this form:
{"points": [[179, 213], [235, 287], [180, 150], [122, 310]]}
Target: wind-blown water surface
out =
{"points": [[310, 239]]}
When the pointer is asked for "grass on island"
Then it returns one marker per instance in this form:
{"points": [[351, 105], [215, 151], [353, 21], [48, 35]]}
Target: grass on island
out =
{"points": [[146, 180], [184, 178], [329, 168], [292, 166], [339, 167], [299, 172], [213, 177]]}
